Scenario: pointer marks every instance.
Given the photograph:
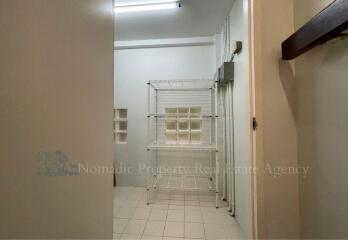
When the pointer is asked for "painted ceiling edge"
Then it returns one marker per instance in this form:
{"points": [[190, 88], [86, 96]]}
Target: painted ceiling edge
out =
{"points": [[164, 43]]}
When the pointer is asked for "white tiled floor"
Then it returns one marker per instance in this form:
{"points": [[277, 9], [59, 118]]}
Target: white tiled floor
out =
{"points": [[172, 216]]}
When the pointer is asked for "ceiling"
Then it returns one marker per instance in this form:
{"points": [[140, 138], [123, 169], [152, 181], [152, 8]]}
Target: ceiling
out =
{"points": [[197, 18]]}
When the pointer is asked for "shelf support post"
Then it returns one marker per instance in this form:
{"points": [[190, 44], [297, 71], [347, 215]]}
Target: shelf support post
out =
{"points": [[148, 170], [217, 166]]}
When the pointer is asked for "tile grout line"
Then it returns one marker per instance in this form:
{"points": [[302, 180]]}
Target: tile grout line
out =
{"points": [[147, 221], [184, 216], [200, 211], [128, 219], [165, 223]]}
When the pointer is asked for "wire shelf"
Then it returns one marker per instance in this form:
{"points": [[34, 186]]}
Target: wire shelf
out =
{"points": [[182, 122], [182, 147], [184, 182], [186, 84], [163, 115]]}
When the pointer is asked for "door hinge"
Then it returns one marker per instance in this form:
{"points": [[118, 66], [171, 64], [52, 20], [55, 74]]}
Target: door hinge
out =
{"points": [[255, 124]]}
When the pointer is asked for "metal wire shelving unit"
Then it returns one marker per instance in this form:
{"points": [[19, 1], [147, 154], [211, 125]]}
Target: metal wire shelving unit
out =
{"points": [[173, 165]]}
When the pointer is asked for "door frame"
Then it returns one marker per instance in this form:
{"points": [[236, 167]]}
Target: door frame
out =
{"points": [[256, 176]]}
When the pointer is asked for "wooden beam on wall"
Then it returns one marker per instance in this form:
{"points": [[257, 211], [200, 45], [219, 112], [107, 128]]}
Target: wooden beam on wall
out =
{"points": [[328, 24]]}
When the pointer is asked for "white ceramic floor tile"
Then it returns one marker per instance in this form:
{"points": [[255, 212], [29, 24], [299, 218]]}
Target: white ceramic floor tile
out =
{"points": [[125, 212], [189, 197], [120, 195], [171, 216], [130, 237], [196, 208], [172, 238], [131, 203], [117, 205], [162, 201], [150, 206], [176, 207], [142, 213], [154, 228], [119, 201], [233, 232], [230, 220], [163, 196], [176, 216], [140, 189], [191, 203], [116, 210], [194, 230], [177, 202], [206, 208], [207, 198], [149, 237], [117, 236], [207, 204], [160, 206], [214, 231], [215, 217], [120, 225], [122, 192], [177, 196], [193, 216], [142, 202], [140, 196], [158, 214], [144, 196], [135, 227], [174, 229]]}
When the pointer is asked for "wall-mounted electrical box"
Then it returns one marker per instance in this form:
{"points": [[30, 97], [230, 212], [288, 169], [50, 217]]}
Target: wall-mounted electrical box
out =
{"points": [[226, 72]]}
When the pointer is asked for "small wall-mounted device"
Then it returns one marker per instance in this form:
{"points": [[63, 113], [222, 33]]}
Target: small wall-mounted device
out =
{"points": [[179, 4], [238, 48]]}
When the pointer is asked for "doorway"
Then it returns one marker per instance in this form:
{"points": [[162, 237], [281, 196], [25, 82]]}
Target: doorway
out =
{"points": [[162, 59]]}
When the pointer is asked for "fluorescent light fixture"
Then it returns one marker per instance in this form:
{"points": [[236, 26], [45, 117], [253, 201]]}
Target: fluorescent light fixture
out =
{"points": [[146, 6]]}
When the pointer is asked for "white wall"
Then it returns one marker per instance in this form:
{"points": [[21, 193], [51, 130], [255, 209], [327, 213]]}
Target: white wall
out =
{"points": [[241, 111], [321, 95], [56, 93], [241, 105], [134, 68]]}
